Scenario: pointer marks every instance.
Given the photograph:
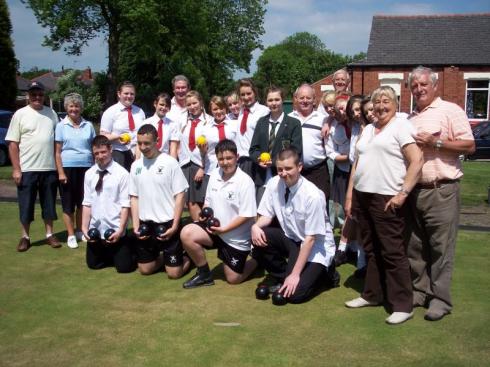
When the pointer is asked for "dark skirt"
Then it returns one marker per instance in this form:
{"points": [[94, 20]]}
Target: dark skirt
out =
{"points": [[339, 186], [197, 190]]}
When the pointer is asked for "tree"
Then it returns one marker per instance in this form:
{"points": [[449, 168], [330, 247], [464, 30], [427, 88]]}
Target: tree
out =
{"points": [[71, 83], [7, 60], [153, 39], [34, 72], [300, 58]]}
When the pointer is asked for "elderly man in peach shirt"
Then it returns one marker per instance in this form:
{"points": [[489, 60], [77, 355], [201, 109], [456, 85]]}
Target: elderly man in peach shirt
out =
{"points": [[443, 133]]}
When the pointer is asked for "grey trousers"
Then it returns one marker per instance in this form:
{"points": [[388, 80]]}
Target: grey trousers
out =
{"points": [[432, 227]]}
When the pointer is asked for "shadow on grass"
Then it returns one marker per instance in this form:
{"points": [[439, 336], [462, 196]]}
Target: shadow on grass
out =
{"points": [[219, 273], [354, 283]]}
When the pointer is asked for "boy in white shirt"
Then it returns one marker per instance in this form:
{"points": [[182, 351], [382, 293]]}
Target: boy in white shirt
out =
{"points": [[299, 253], [105, 207], [157, 189], [231, 195]]}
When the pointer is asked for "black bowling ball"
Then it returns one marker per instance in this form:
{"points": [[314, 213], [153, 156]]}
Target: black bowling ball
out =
{"points": [[108, 233], [207, 212], [93, 234], [213, 222], [144, 230], [160, 230], [278, 299], [262, 292]]}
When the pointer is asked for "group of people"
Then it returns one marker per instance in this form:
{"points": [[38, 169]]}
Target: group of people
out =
{"points": [[257, 184]]}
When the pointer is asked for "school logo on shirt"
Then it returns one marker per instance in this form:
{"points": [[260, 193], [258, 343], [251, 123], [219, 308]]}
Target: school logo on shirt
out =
{"points": [[230, 196], [138, 170], [160, 170], [234, 261]]}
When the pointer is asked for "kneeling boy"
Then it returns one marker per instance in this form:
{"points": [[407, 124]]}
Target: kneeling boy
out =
{"points": [[298, 254], [105, 207], [231, 195], [157, 187]]}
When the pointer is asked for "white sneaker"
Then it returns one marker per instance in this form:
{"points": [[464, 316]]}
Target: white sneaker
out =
{"points": [[399, 317], [80, 237], [359, 302], [72, 242]]}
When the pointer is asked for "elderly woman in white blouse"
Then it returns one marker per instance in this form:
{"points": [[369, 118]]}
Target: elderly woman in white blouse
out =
{"points": [[387, 168]]}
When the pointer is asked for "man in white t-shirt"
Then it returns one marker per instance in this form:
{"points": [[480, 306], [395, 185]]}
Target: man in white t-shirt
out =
{"points": [[231, 196], [299, 254], [106, 208], [157, 189], [31, 148]]}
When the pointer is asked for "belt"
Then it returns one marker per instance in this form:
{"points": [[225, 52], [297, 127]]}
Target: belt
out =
{"points": [[434, 184], [316, 166]]}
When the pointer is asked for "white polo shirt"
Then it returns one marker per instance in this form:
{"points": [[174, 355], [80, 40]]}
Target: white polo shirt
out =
{"points": [[381, 166], [243, 141], [34, 131], [170, 131], [230, 199], [211, 132], [156, 182], [304, 214], [185, 154], [106, 205], [177, 114], [115, 121], [338, 144], [313, 144]]}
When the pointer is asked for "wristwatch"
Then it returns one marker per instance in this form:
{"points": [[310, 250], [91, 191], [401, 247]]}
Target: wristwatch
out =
{"points": [[438, 144]]}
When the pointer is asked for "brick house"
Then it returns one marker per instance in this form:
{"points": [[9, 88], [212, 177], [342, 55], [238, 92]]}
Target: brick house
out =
{"points": [[455, 46]]}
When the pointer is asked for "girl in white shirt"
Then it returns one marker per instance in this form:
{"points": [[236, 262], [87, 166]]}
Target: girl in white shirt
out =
{"points": [[219, 129], [190, 158]]}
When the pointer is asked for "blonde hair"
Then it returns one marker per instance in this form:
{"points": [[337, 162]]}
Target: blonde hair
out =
{"points": [[328, 98], [197, 95], [385, 91]]}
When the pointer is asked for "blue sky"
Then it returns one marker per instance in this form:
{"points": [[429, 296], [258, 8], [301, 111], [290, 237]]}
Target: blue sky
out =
{"points": [[343, 26]]}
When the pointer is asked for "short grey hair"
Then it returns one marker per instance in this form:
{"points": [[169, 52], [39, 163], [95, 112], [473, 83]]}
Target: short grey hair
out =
{"points": [[422, 70], [343, 71], [305, 86], [181, 78], [387, 91], [73, 98]]}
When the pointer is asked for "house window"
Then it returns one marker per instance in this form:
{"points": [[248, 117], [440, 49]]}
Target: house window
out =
{"points": [[477, 99], [394, 81]]}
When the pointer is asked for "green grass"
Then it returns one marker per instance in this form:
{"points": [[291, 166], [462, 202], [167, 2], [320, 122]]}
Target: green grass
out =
{"points": [[56, 312], [474, 186], [475, 183]]}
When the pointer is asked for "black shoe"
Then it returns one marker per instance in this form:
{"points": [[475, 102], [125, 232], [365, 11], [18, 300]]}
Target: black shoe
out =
{"points": [[340, 257], [360, 273], [334, 280], [199, 280]]}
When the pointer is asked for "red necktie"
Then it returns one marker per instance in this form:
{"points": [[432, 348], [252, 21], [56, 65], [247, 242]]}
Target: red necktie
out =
{"points": [[130, 118], [221, 131], [160, 134], [192, 134], [243, 125]]}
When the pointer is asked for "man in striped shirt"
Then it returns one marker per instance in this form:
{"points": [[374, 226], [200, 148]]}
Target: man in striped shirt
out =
{"points": [[443, 133]]}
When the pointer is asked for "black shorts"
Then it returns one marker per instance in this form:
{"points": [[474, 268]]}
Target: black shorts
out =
{"points": [[46, 182], [72, 192], [148, 250], [235, 259]]}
